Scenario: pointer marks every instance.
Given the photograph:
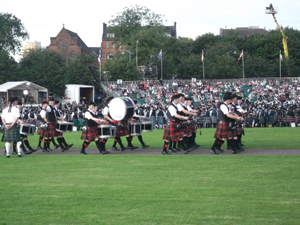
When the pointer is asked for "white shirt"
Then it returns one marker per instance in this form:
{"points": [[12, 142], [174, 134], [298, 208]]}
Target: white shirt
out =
{"points": [[88, 115], [105, 110], [10, 117], [179, 107], [172, 110], [43, 113], [224, 108]]}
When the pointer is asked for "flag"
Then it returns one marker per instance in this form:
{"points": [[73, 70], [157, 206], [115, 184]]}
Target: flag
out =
{"points": [[202, 58], [100, 55], [280, 57], [160, 55], [241, 55]]}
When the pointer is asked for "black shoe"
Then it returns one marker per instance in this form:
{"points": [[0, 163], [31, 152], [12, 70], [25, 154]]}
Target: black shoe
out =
{"points": [[165, 153], [25, 152], [49, 149], [66, 148], [228, 148], [32, 150], [172, 150], [186, 152], [132, 147], [56, 147], [83, 153], [145, 146], [220, 150], [105, 152], [20, 155], [124, 148], [115, 149], [4, 152], [214, 151], [7, 156], [14, 152], [45, 150], [235, 152], [178, 149], [39, 148]]}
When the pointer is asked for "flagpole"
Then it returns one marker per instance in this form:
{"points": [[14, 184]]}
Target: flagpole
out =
{"points": [[280, 64], [161, 70], [243, 65], [203, 65]]}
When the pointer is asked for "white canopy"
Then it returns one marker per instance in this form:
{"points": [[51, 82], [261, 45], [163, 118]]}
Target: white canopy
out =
{"points": [[21, 85]]}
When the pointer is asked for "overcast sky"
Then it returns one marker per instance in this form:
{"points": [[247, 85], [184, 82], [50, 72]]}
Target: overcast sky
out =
{"points": [[45, 19]]}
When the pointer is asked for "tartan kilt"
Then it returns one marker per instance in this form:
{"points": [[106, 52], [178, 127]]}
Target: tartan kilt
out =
{"points": [[290, 119], [90, 134], [281, 119], [214, 119], [222, 131], [12, 135], [41, 132], [76, 122], [170, 133], [122, 130], [296, 119], [233, 134], [51, 131], [262, 119], [239, 129], [80, 122]]}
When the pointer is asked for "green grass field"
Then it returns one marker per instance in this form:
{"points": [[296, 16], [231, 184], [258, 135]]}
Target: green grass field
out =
{"points": [[155, 189]]}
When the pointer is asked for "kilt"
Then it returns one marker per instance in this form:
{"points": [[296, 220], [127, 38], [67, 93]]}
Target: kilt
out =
{"points": [[160, 120], [233, 134], [41, 132], [80, 122], [214, 119], [170, 133], [290, 119], [12, 135], [122, 130], [262, 119], [90, 134], [222, 131], [51, 131], [281, 119], [239, 129], [296, 119], [76, 122]]}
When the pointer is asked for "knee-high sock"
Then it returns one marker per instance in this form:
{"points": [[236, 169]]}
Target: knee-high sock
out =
{"points": [[170, 144], [84, 146], [14, 146], [53, 141], [120, 142], [27, 144], [64, 141], [19, 147], [165, 146], [60, 142], [40, 141], [174, 144], [115, 142], [7, 148], [46, 144], [99, 146], [141, 139], [129, 141]]}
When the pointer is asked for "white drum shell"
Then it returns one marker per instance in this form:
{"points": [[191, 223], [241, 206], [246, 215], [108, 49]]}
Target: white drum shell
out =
{"points": [[121, 108], [63, 126], [106, 131]]}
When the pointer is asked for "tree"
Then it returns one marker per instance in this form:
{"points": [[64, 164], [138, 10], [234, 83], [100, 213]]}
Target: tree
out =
{"points": [[8, 67], [78, 71], [46, 68], [12, 32]]}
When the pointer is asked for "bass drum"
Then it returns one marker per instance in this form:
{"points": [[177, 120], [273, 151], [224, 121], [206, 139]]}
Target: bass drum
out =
{"points": [[121, 108]]}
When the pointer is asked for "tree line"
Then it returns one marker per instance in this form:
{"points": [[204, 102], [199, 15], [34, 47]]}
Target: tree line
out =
{"points": [[181, 56]]}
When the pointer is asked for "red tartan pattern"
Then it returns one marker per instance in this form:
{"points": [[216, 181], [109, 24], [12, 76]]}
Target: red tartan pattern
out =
{"points": [[90, 134], [281, 119], [222, 131], [290, 119], [170, 133], [51, 131], [41, 132], [239, 129], [122, 130], [296, 119], [233, 134]]}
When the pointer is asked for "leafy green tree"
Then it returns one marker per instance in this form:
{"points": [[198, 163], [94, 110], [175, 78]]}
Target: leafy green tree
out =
{"points": [[12, 32], [8, 67], [78, 71], [46, 68]]}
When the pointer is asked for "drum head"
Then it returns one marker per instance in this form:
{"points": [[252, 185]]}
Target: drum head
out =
{"points": [[121, 108]]}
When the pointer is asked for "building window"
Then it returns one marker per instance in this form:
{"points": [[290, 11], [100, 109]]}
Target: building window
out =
{"points": [[113, 45], [107, 44], [111, 35], [109, 55]]}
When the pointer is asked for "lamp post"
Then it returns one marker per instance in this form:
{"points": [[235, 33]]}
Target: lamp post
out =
{"points": [[129, 52], [136, 47], [173, 77]]}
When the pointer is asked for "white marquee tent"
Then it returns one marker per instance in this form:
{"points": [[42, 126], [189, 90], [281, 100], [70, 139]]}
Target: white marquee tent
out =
{"points": [[26, 91]]}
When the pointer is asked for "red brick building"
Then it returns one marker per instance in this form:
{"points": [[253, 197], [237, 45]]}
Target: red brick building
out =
{"points": [[69, 44]]}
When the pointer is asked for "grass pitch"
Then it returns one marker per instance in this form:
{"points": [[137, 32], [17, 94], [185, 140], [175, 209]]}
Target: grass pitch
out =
{"points": [[154, 189]]}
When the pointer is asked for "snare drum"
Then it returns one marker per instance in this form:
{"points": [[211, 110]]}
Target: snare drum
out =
{"points": [[135, 129], [121, 108], [27, 129], [63, 126], [106, 131], [146, 126]]}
